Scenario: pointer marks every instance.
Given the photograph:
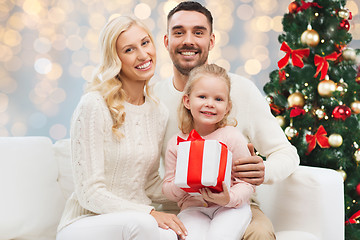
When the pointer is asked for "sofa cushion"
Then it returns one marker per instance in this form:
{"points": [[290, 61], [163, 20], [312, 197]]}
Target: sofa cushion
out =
{"points": [[295, 235], [31, 199], [62, 154]]}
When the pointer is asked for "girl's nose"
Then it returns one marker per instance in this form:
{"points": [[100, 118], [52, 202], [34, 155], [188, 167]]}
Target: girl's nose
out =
{"points": [[209, 102]]}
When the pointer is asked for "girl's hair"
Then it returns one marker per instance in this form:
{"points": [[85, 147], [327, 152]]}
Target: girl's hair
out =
{"points": [[186, 121], [107, 79]]}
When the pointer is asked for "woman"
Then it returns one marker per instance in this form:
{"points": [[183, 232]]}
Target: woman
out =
{"points": [[116, 136]]}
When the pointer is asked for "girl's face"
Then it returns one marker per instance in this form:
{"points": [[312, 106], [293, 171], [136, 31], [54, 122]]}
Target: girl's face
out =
{"points": [[137, 54], [208, 103]]}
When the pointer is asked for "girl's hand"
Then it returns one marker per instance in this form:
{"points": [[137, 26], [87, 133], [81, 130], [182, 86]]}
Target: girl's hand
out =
{"points": [[221, 198], [167, 220]]}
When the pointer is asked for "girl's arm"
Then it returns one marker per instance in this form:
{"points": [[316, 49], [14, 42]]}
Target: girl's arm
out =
{"points": [[170, 190]]}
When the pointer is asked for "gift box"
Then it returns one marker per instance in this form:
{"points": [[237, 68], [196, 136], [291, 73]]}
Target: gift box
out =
{"points": [[202, 163]]}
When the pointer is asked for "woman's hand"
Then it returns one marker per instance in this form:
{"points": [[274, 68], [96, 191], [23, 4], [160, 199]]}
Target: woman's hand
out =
{"points": [[221, 198], [167, 220], [250, 169]]}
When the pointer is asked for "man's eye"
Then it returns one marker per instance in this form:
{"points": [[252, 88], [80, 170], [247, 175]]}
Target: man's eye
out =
{"points": [[177, 33], [198, 33]]}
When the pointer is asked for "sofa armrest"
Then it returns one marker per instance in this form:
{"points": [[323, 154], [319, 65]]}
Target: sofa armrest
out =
{"points": [[31, 201], [309, 200]]}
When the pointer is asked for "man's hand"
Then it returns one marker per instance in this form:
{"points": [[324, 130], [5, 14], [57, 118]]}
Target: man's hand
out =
{"points": [[250, 169], [221, 198], [167, 220]]}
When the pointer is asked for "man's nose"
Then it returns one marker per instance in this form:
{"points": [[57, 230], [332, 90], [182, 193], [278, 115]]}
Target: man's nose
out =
{"points": [[188, 39]]}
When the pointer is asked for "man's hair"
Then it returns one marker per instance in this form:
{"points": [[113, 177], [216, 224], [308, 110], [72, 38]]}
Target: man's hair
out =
{"points": [[192, 6]]}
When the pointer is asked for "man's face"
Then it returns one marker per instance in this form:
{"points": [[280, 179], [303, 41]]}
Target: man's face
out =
{"points": [[189, 40]]}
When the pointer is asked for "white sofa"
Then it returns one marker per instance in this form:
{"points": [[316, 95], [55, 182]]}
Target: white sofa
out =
{"points": [[36, 179]]}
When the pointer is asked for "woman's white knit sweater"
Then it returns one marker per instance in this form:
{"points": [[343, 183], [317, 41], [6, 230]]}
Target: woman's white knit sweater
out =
{"points": [[112, 175]]}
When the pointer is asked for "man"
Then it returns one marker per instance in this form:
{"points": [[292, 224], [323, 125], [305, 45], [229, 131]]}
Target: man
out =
{"points": [[188, 40]]}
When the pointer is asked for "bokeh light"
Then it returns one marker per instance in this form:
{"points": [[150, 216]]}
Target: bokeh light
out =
{"points": [[49, 50]]}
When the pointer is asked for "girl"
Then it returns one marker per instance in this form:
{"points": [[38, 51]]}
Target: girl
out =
{"points": [[116, 135], [205, 107]]}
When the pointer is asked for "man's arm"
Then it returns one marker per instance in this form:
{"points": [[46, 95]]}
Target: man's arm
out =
{"points": [[250, 169]]}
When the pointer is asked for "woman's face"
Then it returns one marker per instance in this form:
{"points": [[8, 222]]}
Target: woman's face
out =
{"points": [[137, 54]]}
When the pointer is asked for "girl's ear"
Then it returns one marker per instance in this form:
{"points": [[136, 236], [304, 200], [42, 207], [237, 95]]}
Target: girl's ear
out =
{"points": [[229, 106], [186, 101]]}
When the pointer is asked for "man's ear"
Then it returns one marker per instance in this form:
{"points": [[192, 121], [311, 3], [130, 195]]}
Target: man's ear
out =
{"points": [[186, 101], [212, 41], [166, 41]]}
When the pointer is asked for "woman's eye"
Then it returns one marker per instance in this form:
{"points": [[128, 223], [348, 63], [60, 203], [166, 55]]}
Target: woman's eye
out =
{"points": [[128, 50], [145, 42]]}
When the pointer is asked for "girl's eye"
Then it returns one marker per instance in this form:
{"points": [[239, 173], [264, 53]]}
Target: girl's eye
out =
{"points": [[218, 99], [202, 96]]}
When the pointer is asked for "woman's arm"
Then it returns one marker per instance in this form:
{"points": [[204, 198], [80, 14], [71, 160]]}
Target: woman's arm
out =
{"points": [[88, 134]]}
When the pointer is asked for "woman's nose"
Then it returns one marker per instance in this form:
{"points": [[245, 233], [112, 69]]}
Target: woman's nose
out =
{"points": [[142, 54]]}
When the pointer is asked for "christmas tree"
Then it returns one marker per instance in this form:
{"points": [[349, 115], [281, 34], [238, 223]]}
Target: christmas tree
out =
{"points": [[315, 94]]}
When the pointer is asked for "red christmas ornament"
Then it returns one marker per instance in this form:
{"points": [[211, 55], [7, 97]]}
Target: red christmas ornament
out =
{"points": [[341, 112], [358, 189], [293, 7], [344, 24]]}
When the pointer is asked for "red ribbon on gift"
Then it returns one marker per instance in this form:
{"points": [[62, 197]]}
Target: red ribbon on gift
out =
{"points": [[323, 65], [306, 5], [296, 56], [195, 161], [297, 111], [319, 137], [193, 135]]}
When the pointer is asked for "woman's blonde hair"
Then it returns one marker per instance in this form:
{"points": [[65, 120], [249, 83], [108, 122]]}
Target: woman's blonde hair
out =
{"points": [[107, 79], [186, 121]]}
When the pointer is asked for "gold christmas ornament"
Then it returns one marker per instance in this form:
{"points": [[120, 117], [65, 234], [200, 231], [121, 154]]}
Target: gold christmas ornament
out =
{"points": [[343, 13], [269, 99], [310, 37], [349, 54], [296, 100], [319, 113], [291, 132], [357, 156], [355, 107], [281, 120], [341, 87], [343, 173], [326, 88], [335, 140]]}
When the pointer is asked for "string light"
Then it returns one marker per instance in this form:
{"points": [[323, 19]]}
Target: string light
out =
{"points": [[49, 49]]}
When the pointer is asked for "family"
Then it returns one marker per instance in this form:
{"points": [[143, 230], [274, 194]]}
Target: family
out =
{"points": [[122, 127]]}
